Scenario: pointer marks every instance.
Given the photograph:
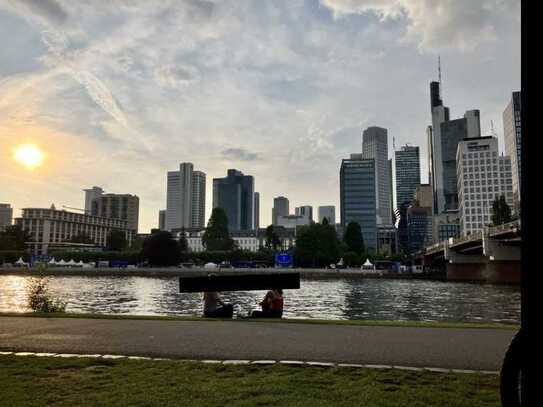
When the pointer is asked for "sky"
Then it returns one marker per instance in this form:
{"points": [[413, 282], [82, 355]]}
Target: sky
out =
{"points": [[117, 93]]}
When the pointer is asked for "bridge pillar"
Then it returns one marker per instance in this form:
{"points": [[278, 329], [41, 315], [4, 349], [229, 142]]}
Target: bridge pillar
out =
{"points": [[496, 250], [503, 261], [465, 267]]}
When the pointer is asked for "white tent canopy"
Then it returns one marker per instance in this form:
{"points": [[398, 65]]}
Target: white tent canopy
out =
{"points": [[367, 264], [210, 266], [20, 261], [52, 261], [61, 262]]}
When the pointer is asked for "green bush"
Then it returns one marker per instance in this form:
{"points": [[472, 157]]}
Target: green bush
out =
{"points": [[38, 297]]}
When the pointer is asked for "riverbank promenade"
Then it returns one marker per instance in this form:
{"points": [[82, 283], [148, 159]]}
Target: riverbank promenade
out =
{"points": [[448, 348]]}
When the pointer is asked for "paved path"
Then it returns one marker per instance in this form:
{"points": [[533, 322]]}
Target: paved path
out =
{"points": [[451, 348]]}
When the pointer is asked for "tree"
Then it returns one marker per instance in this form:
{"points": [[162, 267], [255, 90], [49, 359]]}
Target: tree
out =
{"points": [[116, 240], [351, 259], [14, 238], [325, 221], [317, 245], [161, 249], [81, 238], [272, 239], [216, 236], [353, 238], [182, 242], [501, 212]]}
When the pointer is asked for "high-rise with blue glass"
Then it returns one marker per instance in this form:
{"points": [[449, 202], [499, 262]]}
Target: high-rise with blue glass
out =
{"points": [[358, 197]]}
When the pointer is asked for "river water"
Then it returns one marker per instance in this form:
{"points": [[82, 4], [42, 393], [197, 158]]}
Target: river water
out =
{"points": [[338, 298]]}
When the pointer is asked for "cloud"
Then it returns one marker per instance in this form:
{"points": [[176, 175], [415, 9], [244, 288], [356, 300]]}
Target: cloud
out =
{"points": [[176, 76], [437, 24], [239, 154], [49, 10]]}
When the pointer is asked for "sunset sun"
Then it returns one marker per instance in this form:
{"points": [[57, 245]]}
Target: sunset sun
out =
{"points": [[29, 155]]}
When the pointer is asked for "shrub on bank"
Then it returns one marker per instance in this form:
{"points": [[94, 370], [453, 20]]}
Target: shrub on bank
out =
{"points": [[39, 299]]}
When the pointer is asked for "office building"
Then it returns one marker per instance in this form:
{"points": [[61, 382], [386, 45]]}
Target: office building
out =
{"points": [[235, 195], [6, 215], [375, 146], [419, 227], [91, 195], [387, 239], [445, 226], [512, 134], [118, 206], [162, 219], [443, 138], [483, 176], [257, 211], [407, 179], [280, 208], [185, 200], [198, 208], [328, 212], [54, 228], [293, 221], [358, 197], [305, 211], [423, 196]]}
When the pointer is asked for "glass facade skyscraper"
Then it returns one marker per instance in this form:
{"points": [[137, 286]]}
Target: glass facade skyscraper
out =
{"points": [[407, 179], [512, 133], [235, 194], [358, 197], [375, 146], [444, 136]]}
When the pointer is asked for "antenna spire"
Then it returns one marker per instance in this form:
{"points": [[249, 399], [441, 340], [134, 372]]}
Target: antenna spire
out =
{"points": [[439, 68]]}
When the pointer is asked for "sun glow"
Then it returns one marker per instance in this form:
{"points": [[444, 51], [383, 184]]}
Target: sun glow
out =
{"points": [[29, 155]]}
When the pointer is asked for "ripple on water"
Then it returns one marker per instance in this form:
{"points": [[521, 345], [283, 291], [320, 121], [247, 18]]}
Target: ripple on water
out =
{"points": [[342, 299]]}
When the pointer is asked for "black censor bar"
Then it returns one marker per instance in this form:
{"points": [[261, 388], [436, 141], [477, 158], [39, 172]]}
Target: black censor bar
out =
{"points": [[239, 282]]}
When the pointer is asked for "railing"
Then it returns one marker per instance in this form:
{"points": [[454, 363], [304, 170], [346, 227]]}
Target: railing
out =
{"points": [[469, 238], [505, 227], [434, 247]]}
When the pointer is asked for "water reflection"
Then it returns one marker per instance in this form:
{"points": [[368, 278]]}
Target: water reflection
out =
{"points": [[323, 299]]}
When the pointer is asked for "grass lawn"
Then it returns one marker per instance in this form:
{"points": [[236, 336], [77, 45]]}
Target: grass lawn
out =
{"points": [[410, 324], [38, 381]]}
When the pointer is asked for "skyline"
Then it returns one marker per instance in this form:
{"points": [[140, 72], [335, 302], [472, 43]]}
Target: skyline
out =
{"points": [[133, 87]]}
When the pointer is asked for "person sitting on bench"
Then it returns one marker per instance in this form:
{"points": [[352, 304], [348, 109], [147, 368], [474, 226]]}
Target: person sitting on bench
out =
{"points": [[214, 307], [272, 305]]}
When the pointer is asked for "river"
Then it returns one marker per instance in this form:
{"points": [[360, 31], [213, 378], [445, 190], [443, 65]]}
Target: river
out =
{"points": [[334, 298]]}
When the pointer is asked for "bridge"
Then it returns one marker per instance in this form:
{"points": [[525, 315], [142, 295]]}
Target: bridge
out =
{"points": [[492, 255]]}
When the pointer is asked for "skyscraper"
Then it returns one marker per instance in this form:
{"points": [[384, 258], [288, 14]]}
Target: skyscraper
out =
{"points": [[185, 201], [328, 212], [358, 197], [407, 180], [443, 138], [482, 177], [305, 211], [512, 133], [118, 206], [257, 210], [375, 146], [6, 215], [91, 194], [235, 194], [198, 200], [280, 208], [162, 219]]}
